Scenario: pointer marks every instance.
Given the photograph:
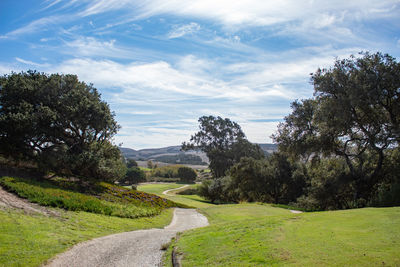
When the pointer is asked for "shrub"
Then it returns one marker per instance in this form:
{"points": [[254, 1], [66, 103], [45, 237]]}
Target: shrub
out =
{"points": [[188, 191], [102, 198], [187, 174], [135, 175]]}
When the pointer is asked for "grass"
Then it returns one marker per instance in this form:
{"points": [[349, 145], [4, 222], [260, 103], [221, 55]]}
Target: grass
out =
{"points": [[30, 240], [263, 235], [102, 198], [188, 200], [158, 188]]}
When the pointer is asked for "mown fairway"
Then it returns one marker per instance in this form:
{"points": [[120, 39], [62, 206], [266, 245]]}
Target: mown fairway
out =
{"points": [[261, 235]]}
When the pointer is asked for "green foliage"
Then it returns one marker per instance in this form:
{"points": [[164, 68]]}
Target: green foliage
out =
{"points": [[187, 175], [104, 199], [273, 180], [131, 163], [352, 120], [135, 175], [150, 164], [181, 158], [59, 122], [169, 171], [188, 191], [224, 143]]}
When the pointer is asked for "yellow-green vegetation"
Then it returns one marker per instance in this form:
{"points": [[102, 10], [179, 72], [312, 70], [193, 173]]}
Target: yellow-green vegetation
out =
{"points": [[262, 235], [158, 188], [30, 240], [188, 200], [101, 198]]}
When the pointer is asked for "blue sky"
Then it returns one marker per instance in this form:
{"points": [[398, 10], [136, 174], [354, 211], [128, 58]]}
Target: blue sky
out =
{"points": [[162, 64]]}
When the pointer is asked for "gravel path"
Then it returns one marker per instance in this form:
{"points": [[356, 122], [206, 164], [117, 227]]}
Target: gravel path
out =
{"points": [[173, 189], [137, 248], [296, 211]]}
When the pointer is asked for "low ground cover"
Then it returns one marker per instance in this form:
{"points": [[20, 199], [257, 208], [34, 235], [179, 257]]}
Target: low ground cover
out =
{"points": [[101, 198]]}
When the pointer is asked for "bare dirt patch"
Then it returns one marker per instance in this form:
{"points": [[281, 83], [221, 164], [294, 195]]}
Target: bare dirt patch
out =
{"points": [[9, 200]]}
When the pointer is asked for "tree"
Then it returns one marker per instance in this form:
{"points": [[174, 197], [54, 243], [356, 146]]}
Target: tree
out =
{"points": [[42, 116], [131, 163], [274, 179], [187, 174], [135, 175], [354, 114], [224, 143], [150, 164]]}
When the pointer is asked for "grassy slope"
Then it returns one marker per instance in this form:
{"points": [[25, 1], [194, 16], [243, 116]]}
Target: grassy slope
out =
{"points": [[261, 235], [101, 198], [29, 240], [190, 200]]}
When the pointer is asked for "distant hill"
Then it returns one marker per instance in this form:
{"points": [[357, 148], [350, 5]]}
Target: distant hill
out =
{"points": [[174, 155]]}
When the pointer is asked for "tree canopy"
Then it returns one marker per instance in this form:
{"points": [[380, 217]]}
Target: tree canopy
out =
{"points": [[59, 122], [354, 115], [224, 143]]}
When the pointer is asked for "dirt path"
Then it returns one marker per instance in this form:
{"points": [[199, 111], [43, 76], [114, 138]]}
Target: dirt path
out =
{"points": [[296, 211], [137, 248], [8, 200], [167, 191]]}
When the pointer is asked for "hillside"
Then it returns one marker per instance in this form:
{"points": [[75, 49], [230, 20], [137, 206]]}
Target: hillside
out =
{"points": [[65, 213], [174, 155]]}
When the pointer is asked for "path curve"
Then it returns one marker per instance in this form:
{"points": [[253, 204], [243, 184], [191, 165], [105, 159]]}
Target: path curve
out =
{"points": [[173, 189], [136, 248], [296, 211]]}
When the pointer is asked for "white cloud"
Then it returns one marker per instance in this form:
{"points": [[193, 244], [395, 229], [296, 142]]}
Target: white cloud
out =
{"points": [[35, 26], [28, 62], [161, 78], [250, 12], [180, 31]]}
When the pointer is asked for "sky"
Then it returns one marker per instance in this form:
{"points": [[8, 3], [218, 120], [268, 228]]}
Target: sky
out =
{"points": [[162, 64]]}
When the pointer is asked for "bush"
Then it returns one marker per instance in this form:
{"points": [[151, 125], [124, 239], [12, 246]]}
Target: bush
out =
{"points": [[163, 180], [170, 171], [102, 198], [134, 175], [187, 174], [188, 191]]}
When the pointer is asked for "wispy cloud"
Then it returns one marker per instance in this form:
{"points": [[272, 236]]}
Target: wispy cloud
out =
{"points": [[250, 12], [180, 31], [31, 63], [34, 26]]}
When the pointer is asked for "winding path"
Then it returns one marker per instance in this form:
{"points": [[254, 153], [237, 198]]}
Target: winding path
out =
{"points": [[173, 189], [137, 248]]}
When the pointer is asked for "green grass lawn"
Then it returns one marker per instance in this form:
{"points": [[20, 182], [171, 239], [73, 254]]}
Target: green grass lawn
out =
{"points": [[262, 235], [158, 188], [189, 200], [30, 240]]}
